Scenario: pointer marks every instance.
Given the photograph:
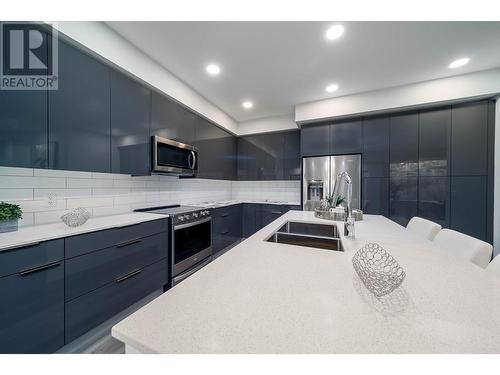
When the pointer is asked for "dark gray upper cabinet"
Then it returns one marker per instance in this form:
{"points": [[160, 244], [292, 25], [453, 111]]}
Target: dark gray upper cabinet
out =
{"points": [[216, 151], [171, 120], [469, 139], [315, 140], [434, 142], [23, 129], [130, 126], [434, 199], [404, 145], [468, 205], [79, 114], [376, 147], [346, 137], [291, 162], [260, 157]]}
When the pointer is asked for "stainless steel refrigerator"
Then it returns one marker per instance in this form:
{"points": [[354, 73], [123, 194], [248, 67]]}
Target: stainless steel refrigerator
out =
{"points": [[319, 175]]}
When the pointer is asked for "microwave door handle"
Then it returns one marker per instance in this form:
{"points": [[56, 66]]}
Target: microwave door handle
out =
{"points": [[192, 160]]}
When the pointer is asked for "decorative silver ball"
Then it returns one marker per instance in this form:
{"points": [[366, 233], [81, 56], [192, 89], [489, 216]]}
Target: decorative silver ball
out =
{"points": [[377, 269], [75, 218]]}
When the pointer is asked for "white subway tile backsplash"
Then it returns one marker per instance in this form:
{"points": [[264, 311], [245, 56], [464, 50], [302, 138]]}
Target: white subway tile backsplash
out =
{"points": [[21, 182], [59, 173], [16, 194], [11, 171], [109, 194], [75, 183], [89, 202]]}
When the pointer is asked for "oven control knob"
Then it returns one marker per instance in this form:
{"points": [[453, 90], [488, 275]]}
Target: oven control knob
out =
{"points": [[195, 215], [187, 217], [207, 212], [180, 218], [202, 213]]}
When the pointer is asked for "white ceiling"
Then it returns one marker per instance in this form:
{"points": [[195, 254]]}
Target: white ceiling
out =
{"points": [[279, 64]]}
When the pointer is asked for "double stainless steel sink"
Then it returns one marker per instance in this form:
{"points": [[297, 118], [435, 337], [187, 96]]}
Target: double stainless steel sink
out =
{"points": [[320, 236]]}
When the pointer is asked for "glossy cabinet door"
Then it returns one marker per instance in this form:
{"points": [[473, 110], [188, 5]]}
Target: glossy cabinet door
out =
{"points": [[79, 114], [315, 140], [434, 142], [403, 199], [376, 196], [404, 145], [468, 205], [130, 123], [346, 137], [248, 220], [216, 151], [171, 120], [260, 157], [434, 199], [376, 147], [469, 139], [291, 157], [32, 309], [23, 129]]}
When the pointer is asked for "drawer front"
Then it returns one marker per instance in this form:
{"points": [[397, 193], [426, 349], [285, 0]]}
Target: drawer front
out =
{"points": [[92, 309], [221, 243], [91, 271], [226, 226], [86, 243], [269, 213], [27, 257], [32, 311]]}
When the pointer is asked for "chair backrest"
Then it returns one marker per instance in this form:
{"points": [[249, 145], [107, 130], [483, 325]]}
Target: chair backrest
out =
{"points": [[494, 265], [425, 228], [464, 246]]}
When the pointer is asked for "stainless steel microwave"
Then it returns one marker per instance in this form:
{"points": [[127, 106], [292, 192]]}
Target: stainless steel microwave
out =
{"points": [[172, 157]]}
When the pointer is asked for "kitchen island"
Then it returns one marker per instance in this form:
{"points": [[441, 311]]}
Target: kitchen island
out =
{"points": [[263, 297]]}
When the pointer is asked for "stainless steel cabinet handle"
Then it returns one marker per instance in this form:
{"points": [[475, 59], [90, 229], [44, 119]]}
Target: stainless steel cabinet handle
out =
{"points": [[276, 212], [38, 269], [131, 274], [127, 243], [21, 246], [225, 232], [224, 215]]}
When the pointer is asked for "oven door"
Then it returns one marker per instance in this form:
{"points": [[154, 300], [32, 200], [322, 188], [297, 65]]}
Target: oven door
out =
{"points": [[174, 157], [191, 243]]}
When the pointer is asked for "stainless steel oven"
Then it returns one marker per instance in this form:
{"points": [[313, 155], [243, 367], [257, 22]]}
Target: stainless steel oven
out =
{"points": [[191, 236], [174, 157]]}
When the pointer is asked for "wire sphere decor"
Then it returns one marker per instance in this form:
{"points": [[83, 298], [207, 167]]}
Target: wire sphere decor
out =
{"points": [[75, 218]]}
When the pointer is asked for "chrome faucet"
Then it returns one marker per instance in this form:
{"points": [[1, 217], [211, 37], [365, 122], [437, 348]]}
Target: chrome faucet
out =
{"points": [[348, 218]]}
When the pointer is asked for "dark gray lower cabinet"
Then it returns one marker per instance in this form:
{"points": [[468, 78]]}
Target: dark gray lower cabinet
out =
{"points": [[226, 226], [468, 205], [32, 302], [403, 199], [91, 271], [376, 196], [94, 308], [267, 213], [434, 199], [248, 220]]}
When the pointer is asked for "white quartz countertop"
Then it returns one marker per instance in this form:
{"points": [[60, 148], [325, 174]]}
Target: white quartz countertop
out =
{"points": [[263, 297], [37, 233]]}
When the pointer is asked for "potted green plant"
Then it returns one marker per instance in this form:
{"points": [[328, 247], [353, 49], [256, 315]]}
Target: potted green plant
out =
{"points": [[9, 215]]}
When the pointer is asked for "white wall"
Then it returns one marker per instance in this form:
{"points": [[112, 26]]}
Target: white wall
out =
{"points": [[107, 43], [422, 93], [267, 124], [496, 214]]}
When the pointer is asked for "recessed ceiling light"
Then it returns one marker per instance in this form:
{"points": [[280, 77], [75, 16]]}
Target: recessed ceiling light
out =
{"points": [[334, 32], [332, 88], [247, 104], [213, 69], [459, 62]]}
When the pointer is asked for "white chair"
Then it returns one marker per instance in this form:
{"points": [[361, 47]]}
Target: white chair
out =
{"points": [[425, 228], [494, 265], [464, 246]]}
